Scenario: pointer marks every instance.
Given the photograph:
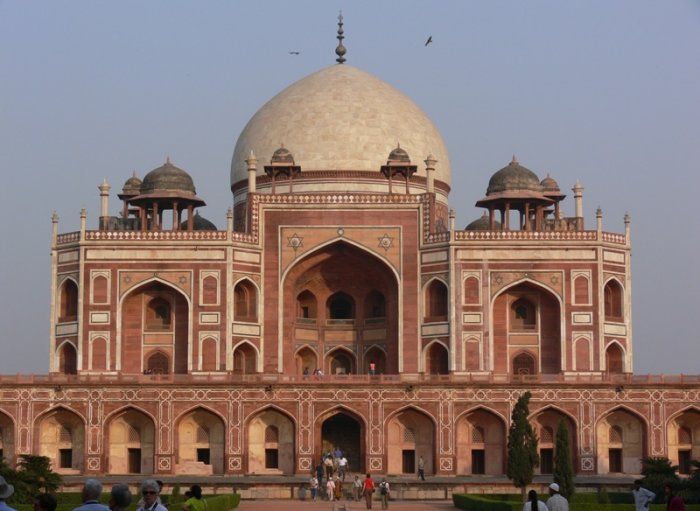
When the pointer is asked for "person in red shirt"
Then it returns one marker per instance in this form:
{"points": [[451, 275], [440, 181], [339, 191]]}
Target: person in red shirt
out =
{"points": [[368, 490], [673, 502]]}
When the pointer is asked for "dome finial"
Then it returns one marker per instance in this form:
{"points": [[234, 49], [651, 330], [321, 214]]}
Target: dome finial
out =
{"points": [[514, 160], [340, 49]]}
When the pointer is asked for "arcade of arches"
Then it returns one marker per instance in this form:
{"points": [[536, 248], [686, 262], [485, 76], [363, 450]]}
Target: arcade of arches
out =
{"points": [[273, 440]]}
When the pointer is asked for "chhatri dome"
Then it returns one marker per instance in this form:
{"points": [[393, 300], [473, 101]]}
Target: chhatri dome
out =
{"points": [[341, 119]]}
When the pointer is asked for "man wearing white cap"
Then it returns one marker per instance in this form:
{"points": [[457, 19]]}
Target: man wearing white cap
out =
{"points": [[556, 501], [6, 491]]}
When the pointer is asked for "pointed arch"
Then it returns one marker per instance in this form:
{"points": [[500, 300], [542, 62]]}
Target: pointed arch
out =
{"points": [[307, 360], [547, 418], [340, 427], [435, 300], [544, 333], [60, 436], [245, 300], [344, 303], [524, 364], [67, 354], [68, 300], [131, 440], [165, 326], [613, 298], [683, 438], [245, 358], [375, 359], [615, 357], [480, 439], [621, 455], [200, 441], [436, 356], [410, 435], [341, 361], [271, 457]]}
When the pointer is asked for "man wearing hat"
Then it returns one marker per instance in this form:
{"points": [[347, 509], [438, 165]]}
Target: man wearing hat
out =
{"points": [[6, 491], [556, 501]]}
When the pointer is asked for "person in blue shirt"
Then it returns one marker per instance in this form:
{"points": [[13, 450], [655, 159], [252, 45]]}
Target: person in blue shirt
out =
{"points": [[6, 491], [92, 489]]}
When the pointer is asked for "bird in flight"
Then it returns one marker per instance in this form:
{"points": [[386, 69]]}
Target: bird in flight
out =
{"points": [[294, 52], [430, 40]]}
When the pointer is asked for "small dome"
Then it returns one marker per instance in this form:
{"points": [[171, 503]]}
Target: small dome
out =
{"points": [[167, 178], [482, 224], [199, 223], [399, 155], [550, 185], [513, 177], [282, 156], [132, 186]]}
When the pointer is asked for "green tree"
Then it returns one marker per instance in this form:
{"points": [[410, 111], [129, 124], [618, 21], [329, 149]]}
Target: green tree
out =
{"points": [[657, 472], [522, 446], [34, 475], [563, 468]]}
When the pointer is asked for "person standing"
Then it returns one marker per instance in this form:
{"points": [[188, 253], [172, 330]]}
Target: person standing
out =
{"points": [[319, 472], [328, 463], [6, 491], [338, 490], [342, 466], [673, 502], [357, 488], [150, 493], [119, 497], [92, 489], [533, 503], [384, 493], [368, 490], [556, 501], [195, 502], [421, 468], [330, 489], [313, 483], [642, 496]]}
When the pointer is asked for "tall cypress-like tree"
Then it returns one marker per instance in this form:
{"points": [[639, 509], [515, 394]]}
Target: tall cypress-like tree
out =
{"points": [[563, 468], [522, 446]]}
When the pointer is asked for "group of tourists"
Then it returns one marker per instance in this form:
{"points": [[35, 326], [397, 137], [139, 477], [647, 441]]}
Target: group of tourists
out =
{"points": [[120, 497], [642, 499]]}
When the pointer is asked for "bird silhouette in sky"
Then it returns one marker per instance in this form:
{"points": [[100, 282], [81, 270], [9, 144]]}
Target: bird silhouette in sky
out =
{"points": [[294, 52], [430, 40]]}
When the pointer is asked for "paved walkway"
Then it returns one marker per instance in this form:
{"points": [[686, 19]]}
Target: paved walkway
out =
{"points": [[320, 505]]}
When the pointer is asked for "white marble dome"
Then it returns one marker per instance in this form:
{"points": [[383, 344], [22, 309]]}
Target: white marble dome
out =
{"points": [[340, 118]]}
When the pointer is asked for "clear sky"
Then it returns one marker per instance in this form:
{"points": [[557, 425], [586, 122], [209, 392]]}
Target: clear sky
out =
{"points": [[603, 91]]}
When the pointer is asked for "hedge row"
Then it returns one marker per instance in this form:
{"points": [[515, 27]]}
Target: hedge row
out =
{"points": [[507, 503], [214, 503]]}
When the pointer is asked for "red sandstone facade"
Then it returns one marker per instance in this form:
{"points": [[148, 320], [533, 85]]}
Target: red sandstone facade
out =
{"points": [[177, 348]]}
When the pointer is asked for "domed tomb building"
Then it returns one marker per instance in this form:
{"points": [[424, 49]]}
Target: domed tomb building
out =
{"points": [[339, 306]]}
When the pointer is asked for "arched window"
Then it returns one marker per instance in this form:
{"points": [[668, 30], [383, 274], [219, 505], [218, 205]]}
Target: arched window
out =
{"points": [[158, 314], [306, 305], [341, 363], [375, 305], [341, 306], [523, 315], [246, 302], [613, 301], [68, 310], [435, 302], [614, 359], [158, 363], [524, 364], [68, 359], [271, 447]]}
